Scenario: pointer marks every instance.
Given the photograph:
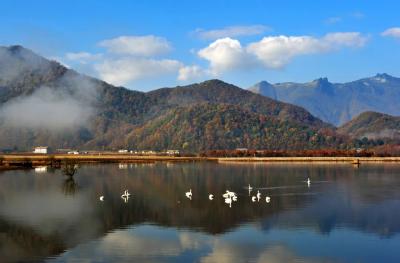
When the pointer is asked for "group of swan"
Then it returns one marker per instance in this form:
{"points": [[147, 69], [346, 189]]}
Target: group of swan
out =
{"points": [[257, 198], [124, 196], [231, 197], [228, 195]]}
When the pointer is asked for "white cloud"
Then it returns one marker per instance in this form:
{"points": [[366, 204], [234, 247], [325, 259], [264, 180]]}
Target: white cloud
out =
{"points": [[391, 32], [124, 70], [130, 58], [190, 73], [225, 54], [278, 51], [347, 39], [83, 57], [231, 31], [275, 51], [60, 60], [357, 15], [146, 46], [333, 20]]}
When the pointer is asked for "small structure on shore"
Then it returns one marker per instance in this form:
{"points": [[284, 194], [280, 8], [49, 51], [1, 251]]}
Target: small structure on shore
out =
{"points": [[41, 149], [172, 152], [41, 169], [241, 149]]}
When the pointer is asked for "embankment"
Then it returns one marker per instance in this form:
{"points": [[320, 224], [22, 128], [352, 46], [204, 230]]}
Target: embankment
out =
{"points": [[32, 160]]}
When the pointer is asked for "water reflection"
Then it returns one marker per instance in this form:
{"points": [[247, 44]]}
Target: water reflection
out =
{"points": [[358, 206], [69, 186]]}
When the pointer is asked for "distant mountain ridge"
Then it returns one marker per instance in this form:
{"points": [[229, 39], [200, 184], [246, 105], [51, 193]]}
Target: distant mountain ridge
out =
{"points": [[45, 103], [338, 103], [372, 125]]}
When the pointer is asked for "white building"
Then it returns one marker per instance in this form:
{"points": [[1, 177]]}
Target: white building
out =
{"points": [[73, 152], [41, 149], [123, 166], [41, 169], [122, 151], [172, 152]]}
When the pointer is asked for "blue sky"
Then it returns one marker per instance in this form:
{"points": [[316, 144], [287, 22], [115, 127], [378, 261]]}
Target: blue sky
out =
{"points": [[145, 45]]}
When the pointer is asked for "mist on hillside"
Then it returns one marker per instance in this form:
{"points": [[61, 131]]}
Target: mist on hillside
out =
{"points": [[68, 104]]}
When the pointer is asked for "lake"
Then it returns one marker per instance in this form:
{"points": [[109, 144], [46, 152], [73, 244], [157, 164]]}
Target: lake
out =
{"points": [[347, 214]]}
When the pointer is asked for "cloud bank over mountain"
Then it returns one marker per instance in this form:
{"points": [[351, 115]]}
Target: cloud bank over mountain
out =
{"points": [[130, 58]]}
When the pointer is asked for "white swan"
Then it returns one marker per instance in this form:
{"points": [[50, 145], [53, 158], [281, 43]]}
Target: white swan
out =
{"points": [[258, 195], [228, 201], [308, 182], [250, 189], [189, 194], [101, 198], [210, 196], [253, 198], [229, 194], [125, 196], [267, 199]]}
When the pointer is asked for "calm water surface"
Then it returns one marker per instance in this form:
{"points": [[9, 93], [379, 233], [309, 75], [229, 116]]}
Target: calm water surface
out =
{"points": [[348, 214]]}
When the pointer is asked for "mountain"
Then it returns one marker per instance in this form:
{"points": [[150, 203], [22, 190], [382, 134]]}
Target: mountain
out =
{"points": [[338, 103], [45, 103], [373, 125], [225, 126]]}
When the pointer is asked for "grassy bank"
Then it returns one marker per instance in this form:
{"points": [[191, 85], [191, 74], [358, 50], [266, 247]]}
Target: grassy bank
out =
{"points": [[312, 159], [26, 160], [32, 160]]}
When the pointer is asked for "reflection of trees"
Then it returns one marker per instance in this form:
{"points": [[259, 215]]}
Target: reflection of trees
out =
{"points": [[27, 242], [158, 197], [69, 186], [69, 168]]}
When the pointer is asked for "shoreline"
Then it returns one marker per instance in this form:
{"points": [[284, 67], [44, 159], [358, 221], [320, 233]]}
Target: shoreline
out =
{"points": [[352, 160], [32, 160]]}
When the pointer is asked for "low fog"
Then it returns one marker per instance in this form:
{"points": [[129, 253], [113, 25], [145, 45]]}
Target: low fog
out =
{"points": [[46, 109], [16, 61], [64, 100], [67, 106], [385, 133]]}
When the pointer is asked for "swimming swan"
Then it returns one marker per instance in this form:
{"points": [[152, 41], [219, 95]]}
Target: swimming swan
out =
{"points": [[189, 194], [229, 201], [250, 189], [125, 196]]}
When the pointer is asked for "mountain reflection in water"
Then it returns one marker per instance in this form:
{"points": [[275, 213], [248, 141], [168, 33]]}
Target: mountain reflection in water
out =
{"points": [[347, 214]]}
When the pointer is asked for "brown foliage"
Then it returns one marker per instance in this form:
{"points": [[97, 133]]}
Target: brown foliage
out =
{"points": [[295, 153]]}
